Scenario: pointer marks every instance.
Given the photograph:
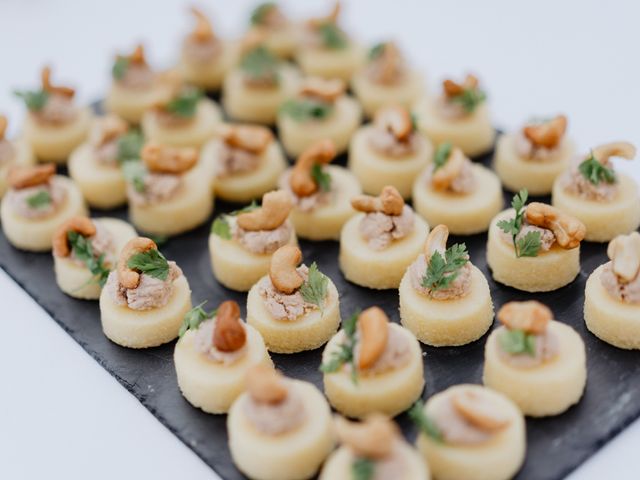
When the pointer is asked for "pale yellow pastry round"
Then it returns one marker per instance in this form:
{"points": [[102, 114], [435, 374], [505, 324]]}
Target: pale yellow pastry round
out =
{"points": [[338, 465], [293, 455], [258, 104], [546, 272], [145, 328], [296, 137], [130, 104], [391, 392], [462, 214], [23, 155], [375, 170], [74, 278], [379, 269], [234, 266], [373, 96], [246, 186], [189, 208], [609, 319], [452, 322], [35, 234], [604, 220], [54, 143], [209, 75], [499, 458], [280, 41], [213, 386], [473, 134], [547, 389], [194, 134], [331, 63], [537, 177], [307, 332]]}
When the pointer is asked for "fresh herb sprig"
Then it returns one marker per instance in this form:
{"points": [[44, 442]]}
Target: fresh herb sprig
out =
{"points": [[185, 103], [321, 177], [35, 100], [470, 99], [442, 271], [221, 226], [151, 263], [518, 342], [443, 153], [424, 422], [260, 64], [314, 289], [362, 469], [260, 12], [345, 353], [129, 146], [332, 37], [120, 67], [83, 250], [529, 245], [306, 109], [596, 172], [135, 172], [194, 317], [40, 199]]}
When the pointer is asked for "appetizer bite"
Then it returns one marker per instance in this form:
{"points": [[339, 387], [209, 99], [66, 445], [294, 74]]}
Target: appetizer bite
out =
{"points": [[241, 243], [321, 193], [54, 125], [85, 251], [247, 162], [280, 34], [136, 87], [168, 191], [325, 50], [444, 298], [213, 355], [463, 195], [280, 428], [96, 165], [37, 202], [460, 116], [604, 200], [389, 151], [372, 365], [612, 295], [535, 247], [470, 432], [378, 244], [205, 59], [321, 110], [537, 362], [386, 79], [145, 298], [534, 156], [12, 152], [373, 449]]}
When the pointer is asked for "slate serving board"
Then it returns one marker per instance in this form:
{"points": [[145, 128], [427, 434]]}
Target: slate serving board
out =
{"points": [[556, 445]]}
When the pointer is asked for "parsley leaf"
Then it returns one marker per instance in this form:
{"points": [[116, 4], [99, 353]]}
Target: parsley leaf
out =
{"points": [[129, 146], [306, 109], [530, 244], [424, 422], [39, 200], [332, 37], [469, 99], [35, 100], [194, 317], [260, 64], [442, 271], [314, 290], [596, 172], [151, 262], [362, 469], [344, 354], [134, 172], [442, 155], [322, 178], [120, 67], [260, 12], [83, 250], [517, 342], [185, 103], [221, 226], [376, 51]]}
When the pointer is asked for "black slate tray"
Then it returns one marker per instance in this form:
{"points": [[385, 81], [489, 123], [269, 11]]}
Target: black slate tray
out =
{"points": [[556, 445]]}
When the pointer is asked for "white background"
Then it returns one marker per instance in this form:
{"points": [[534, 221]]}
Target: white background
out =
{"points": [[61, 414]]}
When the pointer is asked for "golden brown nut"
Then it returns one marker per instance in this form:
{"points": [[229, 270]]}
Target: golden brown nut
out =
{"points": [[327, 90], [108, 129], [127, 277], [569, 231], [202, 32], [47, 86], [166, 159], [282, 270], [395, 119], [530, 316], [83, 225], [373, 326], [478, 410], [138, 56], [320, 153], [444, 176], [604, 152], [3, 126], [229, 334], [624, 252], [274, 212], [390, 65], [547, 134], [372, 438], [453, 89], [389, 202], [436, 241], [266, 385], [331, 18], [251, 138], [23, 177]]}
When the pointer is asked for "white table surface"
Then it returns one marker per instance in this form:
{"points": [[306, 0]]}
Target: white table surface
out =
{"points": [[61, 414]]}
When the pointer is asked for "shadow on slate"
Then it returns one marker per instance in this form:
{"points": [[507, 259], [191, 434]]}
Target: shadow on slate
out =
{"points": [[556, 445]]}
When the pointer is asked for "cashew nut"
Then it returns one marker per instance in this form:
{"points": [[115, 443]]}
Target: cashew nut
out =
{"points": [[107, 129], [453, 89], [26, 176], [478, 410], [444, 176], [331, 18], [266, 385], [530, 316], [47, 86], [251, 138], [624, 252], [436, 241], [302, 183], [372, 438], [166, 159], [138, 56], [274, 212], [83, 225], [202, 32], [3, 126], [391, 63], [569, 231], [603, 153], [547, 134], [395, 119], [127, 277], [373, 327], [389, 202], [327, 90], [283, 272], [229, 334]]}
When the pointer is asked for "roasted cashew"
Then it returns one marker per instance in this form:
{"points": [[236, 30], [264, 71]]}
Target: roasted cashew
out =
{"points": [[603, 153], [302, 183], [391, 62], [127, 277], [373, 327], [478, 410], [569, 231], [331, 18], [203, 31], [66, 92], [452, 89], [372, 438], [282, 270], [3, 126], [229, 334], [29, 176], [138, 56], [327, 90], [395, 119], [624, 252], [547, 134], [251, 138], [530, 316], [444, 176], [266, 385], [83, 225], [389, 202], [166, 159], [274, 212], [107, 129], [436, 241]]}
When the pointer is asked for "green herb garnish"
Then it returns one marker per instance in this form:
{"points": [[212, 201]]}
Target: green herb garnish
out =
{"points": [[332, 37], [194, 317], [35, 100], [376, 51], [83, 250], [221, 226], [362, 469], [129, 146], [314, 290], [344, 354], [39, 200], [442, 155], [469, 99], [306, 109], [134, 172], [596, 172], [518, 342], [260, 12], [151, 263], [442, 271], [322, 178], [260, 64], [530, 244], [185, 103], [424, 422], [120, 67]]}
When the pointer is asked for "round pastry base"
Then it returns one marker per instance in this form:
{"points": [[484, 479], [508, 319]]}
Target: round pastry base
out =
{"points": [[373, 96], [280, 42], [331, 63], [131, 104], [210, 74]]}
